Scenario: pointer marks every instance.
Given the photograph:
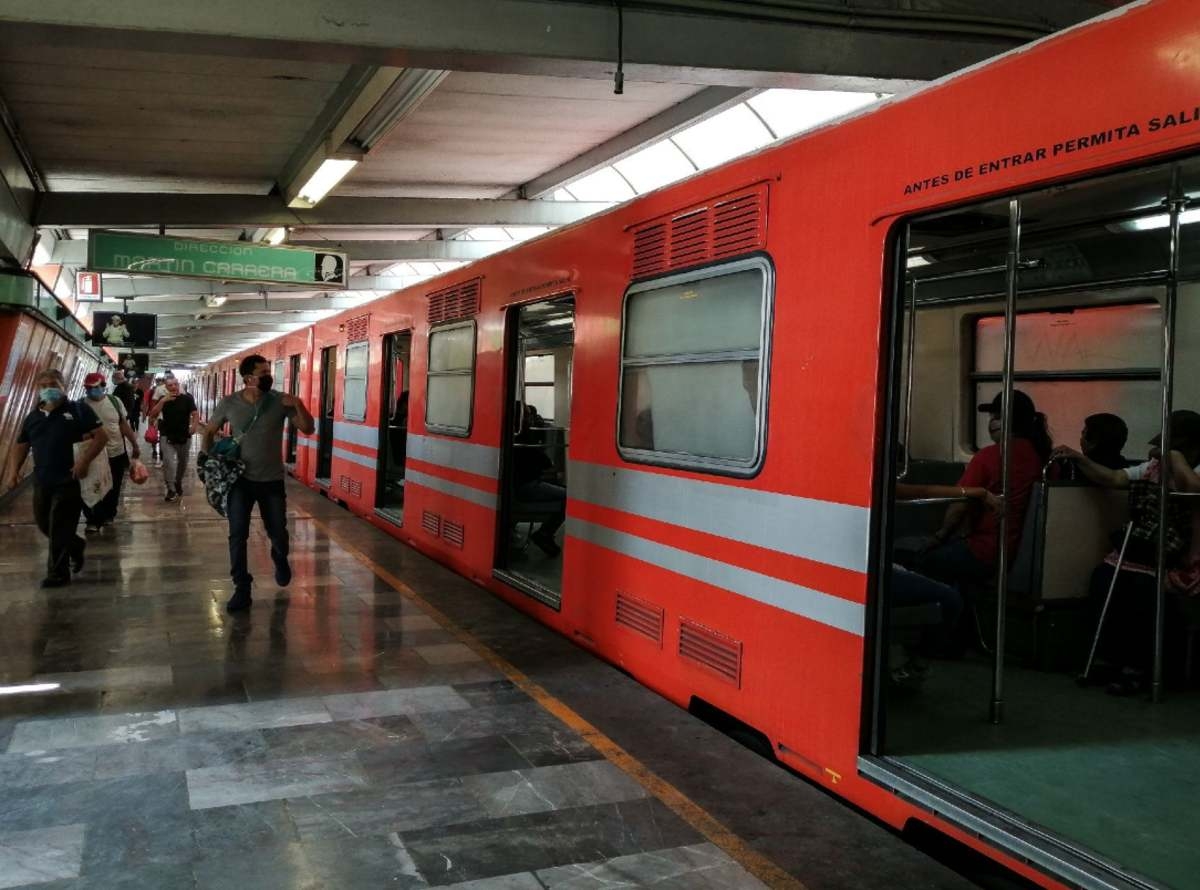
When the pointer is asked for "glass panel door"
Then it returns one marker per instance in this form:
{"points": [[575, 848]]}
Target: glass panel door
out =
{"points": [[534, 482]]}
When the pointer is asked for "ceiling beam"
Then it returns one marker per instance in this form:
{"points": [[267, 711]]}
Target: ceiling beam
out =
{"points": [[17, 194], [131, 210], [125, 288], [353, 98], [707, 102], [408, 251], [879, 45]]}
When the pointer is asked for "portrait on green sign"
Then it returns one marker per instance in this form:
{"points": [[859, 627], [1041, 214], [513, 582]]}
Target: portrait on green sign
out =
{"points": [[329, 268]]}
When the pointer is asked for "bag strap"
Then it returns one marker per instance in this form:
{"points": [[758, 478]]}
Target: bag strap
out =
{"points": [[262, 402], [119, 408]]}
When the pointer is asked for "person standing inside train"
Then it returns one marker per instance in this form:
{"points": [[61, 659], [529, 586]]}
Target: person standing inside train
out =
{"points": [[51, 431], [111, 412], [178, 420], [255, 416]]}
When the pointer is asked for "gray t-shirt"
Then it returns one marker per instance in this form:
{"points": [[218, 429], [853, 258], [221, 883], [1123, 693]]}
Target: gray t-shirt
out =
{"points": [[262, 447]]}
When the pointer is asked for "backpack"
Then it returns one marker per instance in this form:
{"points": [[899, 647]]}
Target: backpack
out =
{"points": [[1143, 513]]}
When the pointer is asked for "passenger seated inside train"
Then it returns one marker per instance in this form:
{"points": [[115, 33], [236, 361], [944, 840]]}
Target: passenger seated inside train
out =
{"points": [[1126, 578], [964, 550], [533, 476], [1102, 440]]}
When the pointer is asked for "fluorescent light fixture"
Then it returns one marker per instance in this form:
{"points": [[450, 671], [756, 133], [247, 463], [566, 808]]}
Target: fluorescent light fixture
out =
{"points": [[29, 687], [1160, 221], [328, 175], [917, 261], [215, 301], [275, 235]]}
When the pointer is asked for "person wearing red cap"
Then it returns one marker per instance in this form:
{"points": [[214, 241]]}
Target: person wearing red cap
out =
{"points": [[113, 416]]}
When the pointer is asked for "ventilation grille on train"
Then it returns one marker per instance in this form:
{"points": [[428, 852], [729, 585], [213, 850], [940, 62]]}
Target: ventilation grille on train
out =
{"points": [[350, 486], [453, 533], [432, 523], [640, 617], [720, 654], [452, 303], [724, 227], [358, 329]]}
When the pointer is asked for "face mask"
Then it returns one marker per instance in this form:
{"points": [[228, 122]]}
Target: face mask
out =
{"points": [[51, 394], [96, 393], [265, 382]]}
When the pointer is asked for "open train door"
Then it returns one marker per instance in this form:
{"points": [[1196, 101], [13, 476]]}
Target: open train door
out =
{"points": [[533, 480], [325, 421], [393, 426]]}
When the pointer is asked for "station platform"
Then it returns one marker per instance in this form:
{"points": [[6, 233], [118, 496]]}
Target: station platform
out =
{"points": [[380, 723]]}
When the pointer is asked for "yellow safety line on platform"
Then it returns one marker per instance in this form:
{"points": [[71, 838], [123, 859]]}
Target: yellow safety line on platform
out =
{"points": [[682, 805]]}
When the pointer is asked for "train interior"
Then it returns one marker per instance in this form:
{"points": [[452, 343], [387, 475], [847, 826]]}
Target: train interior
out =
{"points": [[325, 423], [534, 482], [993, 708], [393, 419]]}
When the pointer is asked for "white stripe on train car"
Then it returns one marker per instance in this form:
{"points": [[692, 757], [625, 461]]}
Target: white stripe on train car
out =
{"points": [[354, 457], [357, 434], [454, 489], [825, 608], [482, 460], [823, 531]]}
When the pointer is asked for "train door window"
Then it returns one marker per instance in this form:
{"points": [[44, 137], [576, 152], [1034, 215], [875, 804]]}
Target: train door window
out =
{"points": [[1062, 302], [450, 379], [534, 481], [354, 382], [293, 388], [325, 422], [694, 369], [393, 425]]}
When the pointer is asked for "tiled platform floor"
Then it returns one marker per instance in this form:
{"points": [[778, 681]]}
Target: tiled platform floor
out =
{"points": [[335, 737]]}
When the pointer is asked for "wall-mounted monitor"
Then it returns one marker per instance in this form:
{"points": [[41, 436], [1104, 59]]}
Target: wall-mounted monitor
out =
{"points": [[124, 330], [135, 363]]}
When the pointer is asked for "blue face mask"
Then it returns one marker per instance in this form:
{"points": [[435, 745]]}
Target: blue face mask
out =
{"points": [[51, 394], [96, 392]]}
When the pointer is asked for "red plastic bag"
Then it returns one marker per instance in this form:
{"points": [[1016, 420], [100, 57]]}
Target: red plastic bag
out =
{"points": [[151, 435], [138, 474]]}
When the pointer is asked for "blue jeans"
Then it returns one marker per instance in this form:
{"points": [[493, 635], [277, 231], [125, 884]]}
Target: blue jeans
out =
{"points": [[913, 589], [271, 498], [954, 563]]}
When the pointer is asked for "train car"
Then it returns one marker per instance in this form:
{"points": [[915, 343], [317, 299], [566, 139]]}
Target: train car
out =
{"points": [[718, 384], [36, 332]]}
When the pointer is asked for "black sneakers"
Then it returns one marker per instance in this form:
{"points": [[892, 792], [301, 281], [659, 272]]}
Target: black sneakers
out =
{"points": [[283, 574], [171, 496], [54, 581], [77, 560], [239, 602]]}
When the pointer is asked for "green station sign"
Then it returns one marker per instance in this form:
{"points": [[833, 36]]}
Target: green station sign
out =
{"points": [[215, 260]]}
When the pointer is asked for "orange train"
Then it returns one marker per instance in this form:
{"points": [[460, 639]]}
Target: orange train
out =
{"points": [[712, 381]]}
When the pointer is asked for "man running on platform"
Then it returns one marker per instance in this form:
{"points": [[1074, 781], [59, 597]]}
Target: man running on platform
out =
{"points": [[255, 416]]}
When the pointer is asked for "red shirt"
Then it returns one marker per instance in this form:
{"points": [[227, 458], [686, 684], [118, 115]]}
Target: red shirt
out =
{"points": [[984, 472]]}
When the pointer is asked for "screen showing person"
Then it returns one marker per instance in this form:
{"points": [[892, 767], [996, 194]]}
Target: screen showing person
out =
{"points": [[134, 363], [127, 329]]}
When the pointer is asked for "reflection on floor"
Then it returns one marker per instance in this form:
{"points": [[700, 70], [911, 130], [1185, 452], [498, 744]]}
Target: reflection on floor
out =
{"points": [[335, 737], [1118, 775], [530, 561]]}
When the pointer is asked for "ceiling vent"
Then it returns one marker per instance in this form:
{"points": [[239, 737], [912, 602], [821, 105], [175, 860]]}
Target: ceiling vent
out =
{"points": [[358, 328], [718, 653], [724, 227], [453, 303]]}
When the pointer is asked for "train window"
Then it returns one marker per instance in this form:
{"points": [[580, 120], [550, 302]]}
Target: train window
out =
{"points": [[694, 369], [450, 379], [354, 389], [1075, 363]]}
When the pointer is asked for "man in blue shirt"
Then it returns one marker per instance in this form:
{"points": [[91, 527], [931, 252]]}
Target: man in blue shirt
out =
{"points": [[51, 431]]}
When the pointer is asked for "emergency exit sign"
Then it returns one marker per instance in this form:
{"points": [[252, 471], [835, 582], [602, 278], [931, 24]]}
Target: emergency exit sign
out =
{"points": [[245, 261]]}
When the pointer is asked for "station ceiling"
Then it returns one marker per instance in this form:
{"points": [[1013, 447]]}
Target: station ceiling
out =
{"points": [[475, 123]]}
